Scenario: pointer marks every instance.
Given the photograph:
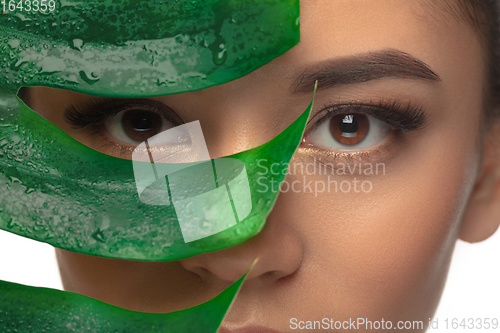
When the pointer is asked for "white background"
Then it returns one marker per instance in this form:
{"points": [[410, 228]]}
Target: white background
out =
{"points": [[472, 289]]}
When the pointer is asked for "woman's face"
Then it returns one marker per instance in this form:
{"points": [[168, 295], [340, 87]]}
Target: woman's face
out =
{"points": [[345, 244]]}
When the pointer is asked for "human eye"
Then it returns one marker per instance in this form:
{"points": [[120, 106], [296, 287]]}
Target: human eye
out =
{"points": [[120, 125], [360, 129]]}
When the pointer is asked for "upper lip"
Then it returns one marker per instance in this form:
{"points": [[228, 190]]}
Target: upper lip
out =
{"points": [[249, 329]]}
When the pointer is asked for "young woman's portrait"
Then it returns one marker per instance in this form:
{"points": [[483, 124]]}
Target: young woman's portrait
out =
{"points": [[397, 162]]}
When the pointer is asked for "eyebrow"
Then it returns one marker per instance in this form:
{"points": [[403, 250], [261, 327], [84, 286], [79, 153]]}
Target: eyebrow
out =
{"points": [[388, 63]]}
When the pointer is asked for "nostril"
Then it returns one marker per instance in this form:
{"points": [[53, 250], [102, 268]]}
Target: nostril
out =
{"points": [[201, 272], [278, 249], [273, 275], [194, 268]]}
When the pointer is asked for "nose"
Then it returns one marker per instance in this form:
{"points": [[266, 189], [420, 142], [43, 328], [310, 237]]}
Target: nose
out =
{"points": [[278, 249]]}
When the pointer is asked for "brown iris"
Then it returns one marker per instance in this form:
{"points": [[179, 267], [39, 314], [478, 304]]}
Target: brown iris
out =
{"points": [[349, 129], [140, 125]]}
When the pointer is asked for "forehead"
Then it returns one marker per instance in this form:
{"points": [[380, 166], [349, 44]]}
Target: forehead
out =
{"points": [[342, 28]]}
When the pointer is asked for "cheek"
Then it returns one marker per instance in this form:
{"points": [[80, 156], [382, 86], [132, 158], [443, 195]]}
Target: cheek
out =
{"points": [[403, 250], [385, 254]]}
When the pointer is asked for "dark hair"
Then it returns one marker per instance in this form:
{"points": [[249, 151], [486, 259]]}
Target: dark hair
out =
{"points": [[484, 15]]}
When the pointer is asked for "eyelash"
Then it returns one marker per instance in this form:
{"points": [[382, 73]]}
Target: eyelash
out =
{"points": [[403, 117], [95, 111]]}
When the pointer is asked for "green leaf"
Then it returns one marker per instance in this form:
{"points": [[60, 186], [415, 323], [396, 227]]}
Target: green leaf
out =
{"points": [[147, 48], [57, 190], [25, 309]]}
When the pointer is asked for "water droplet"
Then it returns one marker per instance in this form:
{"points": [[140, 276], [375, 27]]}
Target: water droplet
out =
{"points": [[98, 235], [16, 139], [15, 180], [220, 57], [89, 77], [219, 52], [11, 223], [14, 43], [77, 44]]}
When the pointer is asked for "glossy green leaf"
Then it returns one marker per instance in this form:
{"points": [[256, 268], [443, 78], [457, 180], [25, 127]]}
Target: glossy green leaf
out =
{"points": [[143, 48], [25, 309], [57, 190]]}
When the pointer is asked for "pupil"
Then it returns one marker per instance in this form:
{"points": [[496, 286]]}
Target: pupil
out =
{"points": [[142, 122], [349, 125], [349, 129]]}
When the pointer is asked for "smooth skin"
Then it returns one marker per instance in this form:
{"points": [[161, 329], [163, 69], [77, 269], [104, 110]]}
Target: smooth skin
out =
{"points": [[377, 255]]}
